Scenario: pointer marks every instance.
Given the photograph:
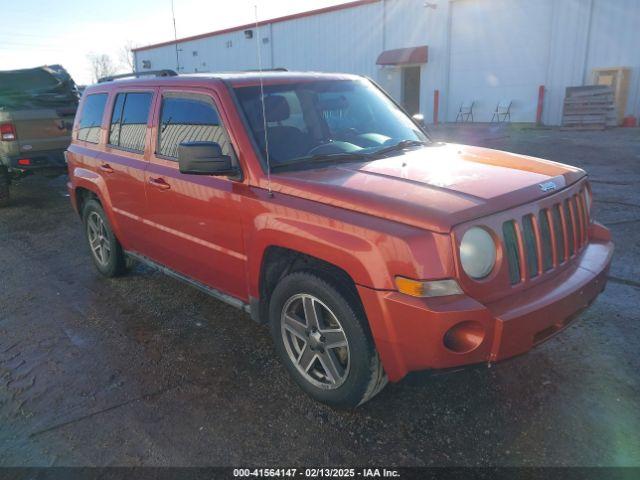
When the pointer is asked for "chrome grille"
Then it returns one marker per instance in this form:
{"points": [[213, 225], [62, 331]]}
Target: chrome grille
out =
{"points": [[570, 226], [538, 243], [511, 247], [530, 247], [558, 232], [545, 239]]}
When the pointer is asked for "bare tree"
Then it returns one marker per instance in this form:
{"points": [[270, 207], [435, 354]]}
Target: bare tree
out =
{"points": [[102, 66], [126, 56]]}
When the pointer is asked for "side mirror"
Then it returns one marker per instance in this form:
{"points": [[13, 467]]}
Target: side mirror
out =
{"points": [[419, 118], [204, 158]]}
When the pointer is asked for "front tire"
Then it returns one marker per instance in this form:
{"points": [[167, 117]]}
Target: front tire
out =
{"points": [[323, 340], [106, 251], [5, 197]]}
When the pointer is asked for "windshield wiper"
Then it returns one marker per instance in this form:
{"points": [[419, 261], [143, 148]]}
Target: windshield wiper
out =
{"points": [[348, 156], [401, 145], [322, 158]]}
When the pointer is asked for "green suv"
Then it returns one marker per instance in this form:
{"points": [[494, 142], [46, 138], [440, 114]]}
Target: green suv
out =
{"points": [[37, 107]]}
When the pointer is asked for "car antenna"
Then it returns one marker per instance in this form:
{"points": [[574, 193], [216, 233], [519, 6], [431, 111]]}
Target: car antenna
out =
{"points": [[175, 36], [264, 113]]}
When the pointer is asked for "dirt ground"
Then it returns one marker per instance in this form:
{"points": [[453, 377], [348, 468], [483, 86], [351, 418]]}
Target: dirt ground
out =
{"points": [[144, 370]]}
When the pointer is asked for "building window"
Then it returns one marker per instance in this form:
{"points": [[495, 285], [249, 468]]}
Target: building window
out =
{"points": [[91, 119], [128, 128], [146, 64], [194, 53], [228, 44]]}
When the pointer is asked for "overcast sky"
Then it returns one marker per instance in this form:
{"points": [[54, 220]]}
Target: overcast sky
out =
{"points": [[40, 32]]}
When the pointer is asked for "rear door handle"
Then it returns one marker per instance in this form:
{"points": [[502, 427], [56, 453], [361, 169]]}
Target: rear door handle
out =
{"points": [[106, 168], [159, 183]]}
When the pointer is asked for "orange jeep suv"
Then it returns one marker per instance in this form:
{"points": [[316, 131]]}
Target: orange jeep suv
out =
{"points": [[317, 205]]}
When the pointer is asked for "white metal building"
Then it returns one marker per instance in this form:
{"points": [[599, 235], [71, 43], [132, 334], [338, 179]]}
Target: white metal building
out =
{"points": [[485, 51]]}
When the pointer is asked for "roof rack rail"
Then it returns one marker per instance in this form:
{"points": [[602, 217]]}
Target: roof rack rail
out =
{"points": [[156, 73], [275, 69]]}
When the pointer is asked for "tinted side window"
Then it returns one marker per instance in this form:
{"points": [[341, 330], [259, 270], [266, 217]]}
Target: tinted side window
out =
{"points": [[91, 118], [189, 118], [116, 118], [129, 120]]}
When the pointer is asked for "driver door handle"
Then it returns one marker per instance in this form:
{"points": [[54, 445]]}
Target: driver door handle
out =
{"points": [[159, 183], [106, 168]]}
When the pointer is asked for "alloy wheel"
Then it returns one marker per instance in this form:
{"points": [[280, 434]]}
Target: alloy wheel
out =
{"points": [[98, 238], [315, 341]]}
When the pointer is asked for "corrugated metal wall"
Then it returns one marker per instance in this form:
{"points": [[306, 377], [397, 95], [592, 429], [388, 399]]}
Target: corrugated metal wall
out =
{"points": [[569, 31], [231, 51], [499, 52], [614, 41], [482, 50], [341, 41], [410, 23], [588, 34]]}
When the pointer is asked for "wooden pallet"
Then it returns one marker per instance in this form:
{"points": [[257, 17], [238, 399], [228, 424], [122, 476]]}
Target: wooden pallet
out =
{"points": [[589, 108]]}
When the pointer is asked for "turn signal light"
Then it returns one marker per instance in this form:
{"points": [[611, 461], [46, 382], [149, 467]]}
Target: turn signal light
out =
{"points": [[433, 288], [7, 132]]}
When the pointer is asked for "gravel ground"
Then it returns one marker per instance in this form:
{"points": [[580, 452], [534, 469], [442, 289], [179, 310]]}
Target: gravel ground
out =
{"points": [[144, 370]]}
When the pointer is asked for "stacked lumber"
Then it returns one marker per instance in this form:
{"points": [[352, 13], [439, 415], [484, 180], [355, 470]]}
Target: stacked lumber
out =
{"points": [[589, 108]]}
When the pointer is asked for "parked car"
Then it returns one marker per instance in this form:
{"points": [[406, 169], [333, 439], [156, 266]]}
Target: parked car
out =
{"points": [[37, 107], [316, 204]]}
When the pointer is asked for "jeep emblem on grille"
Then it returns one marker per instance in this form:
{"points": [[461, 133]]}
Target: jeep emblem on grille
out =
{"points": [[546, 186]]}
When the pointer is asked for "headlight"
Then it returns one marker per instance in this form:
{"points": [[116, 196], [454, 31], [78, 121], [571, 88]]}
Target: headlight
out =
{"points": [[477, 252]]}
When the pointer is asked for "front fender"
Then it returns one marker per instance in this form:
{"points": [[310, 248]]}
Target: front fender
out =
{"points": [[354, 254], [370, 249]]}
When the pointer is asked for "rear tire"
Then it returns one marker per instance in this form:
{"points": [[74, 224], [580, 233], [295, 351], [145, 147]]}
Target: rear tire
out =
{"points": [[106, 251], [324, 341], [5, 197]]}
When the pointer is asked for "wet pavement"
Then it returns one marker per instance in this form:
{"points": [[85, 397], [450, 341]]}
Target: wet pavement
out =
{"points": [[144, 370]]}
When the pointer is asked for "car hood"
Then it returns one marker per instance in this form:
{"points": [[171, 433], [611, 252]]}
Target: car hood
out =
{"points": [[435, 187]]}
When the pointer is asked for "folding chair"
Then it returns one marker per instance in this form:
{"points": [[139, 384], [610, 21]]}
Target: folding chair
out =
{"points": [[503, 110], [465, 112]]}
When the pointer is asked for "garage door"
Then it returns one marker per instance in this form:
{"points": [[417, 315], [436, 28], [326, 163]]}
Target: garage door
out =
{"points": [[499, 51]]}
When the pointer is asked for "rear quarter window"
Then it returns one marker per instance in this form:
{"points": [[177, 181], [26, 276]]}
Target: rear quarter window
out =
{"points": [[91, 117]]}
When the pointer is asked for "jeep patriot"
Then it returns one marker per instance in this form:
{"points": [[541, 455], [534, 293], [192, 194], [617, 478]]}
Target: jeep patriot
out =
{"points": [[317, 205]]}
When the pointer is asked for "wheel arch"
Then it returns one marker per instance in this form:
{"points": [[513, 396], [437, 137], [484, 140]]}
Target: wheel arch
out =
{"points": [[86, 184], [317, 278], [278, 261], [82, 195]]}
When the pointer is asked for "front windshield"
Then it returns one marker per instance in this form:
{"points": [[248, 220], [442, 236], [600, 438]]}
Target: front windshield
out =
{"points": [[308, 121]]}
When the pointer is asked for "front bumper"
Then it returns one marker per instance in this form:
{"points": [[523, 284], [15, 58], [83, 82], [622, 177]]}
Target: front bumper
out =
{"points": [[415, 333]]}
